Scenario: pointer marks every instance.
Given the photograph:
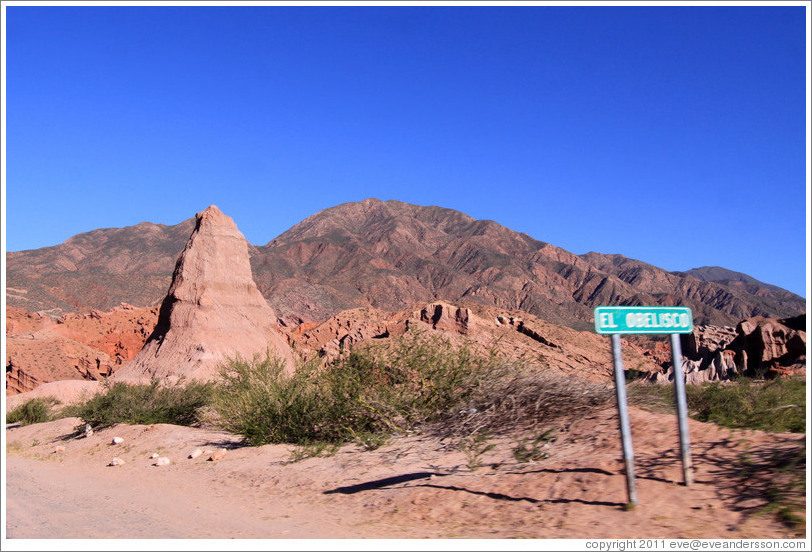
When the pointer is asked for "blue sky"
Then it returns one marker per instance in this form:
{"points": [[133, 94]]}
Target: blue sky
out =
{"points": [[672, 135]]}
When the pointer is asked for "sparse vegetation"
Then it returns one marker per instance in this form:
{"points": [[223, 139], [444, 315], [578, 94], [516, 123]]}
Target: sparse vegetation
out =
{"points": [[415, 381], [313, 450], [514, 397], [534, 450], [779, 477], [777, 405], [474, 446], [373, 391], [182, 403], [34, 411]]}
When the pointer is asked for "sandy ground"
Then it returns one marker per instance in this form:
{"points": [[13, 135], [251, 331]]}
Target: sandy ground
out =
{"points": [[413, 487]]}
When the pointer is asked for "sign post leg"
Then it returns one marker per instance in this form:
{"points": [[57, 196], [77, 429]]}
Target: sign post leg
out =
{"points": [[682, 409], [625, 431]]}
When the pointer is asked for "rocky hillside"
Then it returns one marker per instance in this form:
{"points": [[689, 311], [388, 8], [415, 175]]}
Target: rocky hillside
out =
{"points": [[387, 255], [391, 254], [97, 270]]}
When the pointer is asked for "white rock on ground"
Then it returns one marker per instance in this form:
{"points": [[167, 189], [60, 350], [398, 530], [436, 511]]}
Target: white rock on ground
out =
{"points": [[162, 461], [117, 440], [196, 453], [218, 454], [116, 462]]}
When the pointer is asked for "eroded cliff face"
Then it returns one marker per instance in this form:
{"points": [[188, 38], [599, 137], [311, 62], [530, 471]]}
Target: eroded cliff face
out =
{"points": [[213, 309], [756, 347], [41, 349]]}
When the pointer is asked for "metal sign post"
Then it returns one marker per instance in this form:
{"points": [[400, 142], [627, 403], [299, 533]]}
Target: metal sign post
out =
{"points": [[647, 320], [623, 412], [682, 409]]}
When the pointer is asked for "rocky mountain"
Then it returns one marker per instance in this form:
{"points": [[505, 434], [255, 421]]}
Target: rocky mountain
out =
{"points": [[97, 270], [387, 255], [735, 280]]}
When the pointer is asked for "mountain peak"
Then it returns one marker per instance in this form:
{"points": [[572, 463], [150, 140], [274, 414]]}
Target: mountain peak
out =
{"points": [[386, 254]]}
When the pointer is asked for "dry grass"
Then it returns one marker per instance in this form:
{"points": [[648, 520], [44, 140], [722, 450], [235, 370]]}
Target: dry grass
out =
{"points": [[523, 397]]}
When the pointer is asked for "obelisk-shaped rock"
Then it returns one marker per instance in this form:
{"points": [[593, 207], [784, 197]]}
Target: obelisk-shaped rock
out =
{"points": [[213, 309]]}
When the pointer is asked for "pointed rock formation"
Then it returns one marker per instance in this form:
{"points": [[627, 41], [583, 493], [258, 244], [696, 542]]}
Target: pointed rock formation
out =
{"points": [[213, 309]]}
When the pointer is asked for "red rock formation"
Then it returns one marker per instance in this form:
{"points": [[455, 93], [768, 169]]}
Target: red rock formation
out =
{"points": [[771, 343], [41, 349], [516, 335], [758, 347], [42, 356], [213, 309]]}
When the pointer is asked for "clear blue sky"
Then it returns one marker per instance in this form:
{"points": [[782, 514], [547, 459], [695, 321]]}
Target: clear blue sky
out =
{"points": [[672, 135]]}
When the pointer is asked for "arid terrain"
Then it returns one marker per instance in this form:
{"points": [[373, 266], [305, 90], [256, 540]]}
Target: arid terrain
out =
{"points": [[415, 486], [360, 275]]}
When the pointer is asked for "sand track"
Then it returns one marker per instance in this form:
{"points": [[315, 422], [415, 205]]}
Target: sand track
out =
{"points": [[413, 487]]}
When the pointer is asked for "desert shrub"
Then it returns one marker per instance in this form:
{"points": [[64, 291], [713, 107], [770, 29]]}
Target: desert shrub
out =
{"points": [[474, 446], [516, 397], [417, 379], [534, 450], [777, 405], [181, 403], [258, 400], [371, 391], [414, 381], [34, 411]]}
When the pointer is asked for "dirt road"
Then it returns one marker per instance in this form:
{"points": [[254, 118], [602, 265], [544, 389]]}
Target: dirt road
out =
{"points": [[413, 487]]}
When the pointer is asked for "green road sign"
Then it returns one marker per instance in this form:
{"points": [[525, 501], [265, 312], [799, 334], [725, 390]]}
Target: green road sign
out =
{"points": [[643, 320]]}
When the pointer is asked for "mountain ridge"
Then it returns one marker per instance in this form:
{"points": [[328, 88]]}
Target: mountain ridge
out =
{"points": [[388, 255]]}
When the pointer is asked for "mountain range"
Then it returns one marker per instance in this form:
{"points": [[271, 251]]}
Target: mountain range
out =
{"points": [[387, 255]]}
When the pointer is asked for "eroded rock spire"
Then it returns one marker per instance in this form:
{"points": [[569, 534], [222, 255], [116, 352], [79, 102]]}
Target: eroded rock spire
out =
{"points": [[213, 309]]}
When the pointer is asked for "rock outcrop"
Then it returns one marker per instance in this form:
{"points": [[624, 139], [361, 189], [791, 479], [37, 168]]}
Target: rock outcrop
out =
{"points": [[757, 347], [518, 336], [443, 316], [42, 349], [43, 356], [213, 309]]}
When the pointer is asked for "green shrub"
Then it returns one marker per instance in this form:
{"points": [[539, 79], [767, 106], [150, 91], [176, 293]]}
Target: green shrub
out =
{"points": [[258, 400], [34, 411], [157, 403], [413, 381], [372, 391], [777, 405], [474, 446]]}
